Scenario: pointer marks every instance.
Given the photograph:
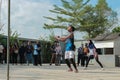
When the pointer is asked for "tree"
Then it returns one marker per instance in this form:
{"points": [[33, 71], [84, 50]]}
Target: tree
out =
{"points": [[14, 37], [88, 20], [3, 40], [98, 19], [116, 30], [51, 37], [106, 16], [69, 13], [84, 17]]}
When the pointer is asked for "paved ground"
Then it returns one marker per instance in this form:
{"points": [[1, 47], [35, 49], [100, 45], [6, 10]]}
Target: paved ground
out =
{"points": [[46, 72]]}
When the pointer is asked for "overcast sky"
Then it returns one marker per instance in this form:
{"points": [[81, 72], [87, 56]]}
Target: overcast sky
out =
{"points": [[27, 16]]}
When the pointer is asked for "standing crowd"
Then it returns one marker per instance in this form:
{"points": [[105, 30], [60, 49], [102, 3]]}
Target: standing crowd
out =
{"points": [[25, 53], [28, 53]]}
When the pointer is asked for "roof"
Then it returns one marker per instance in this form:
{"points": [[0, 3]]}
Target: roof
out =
{"points": [[21, 38], [108, 36]]}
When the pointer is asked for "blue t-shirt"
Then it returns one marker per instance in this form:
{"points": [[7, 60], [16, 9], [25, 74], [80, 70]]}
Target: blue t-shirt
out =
{"points": [[91, 46], [70, 44], [35, 50]]}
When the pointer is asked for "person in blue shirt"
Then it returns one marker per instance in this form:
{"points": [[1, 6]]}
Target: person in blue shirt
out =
{"points": [[35, 54], [70, 48]]}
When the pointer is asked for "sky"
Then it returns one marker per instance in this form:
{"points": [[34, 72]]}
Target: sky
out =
{"points": [[27, 17]]}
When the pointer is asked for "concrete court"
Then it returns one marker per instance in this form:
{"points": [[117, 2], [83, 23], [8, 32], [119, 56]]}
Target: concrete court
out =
{"points": [[47, 72]]}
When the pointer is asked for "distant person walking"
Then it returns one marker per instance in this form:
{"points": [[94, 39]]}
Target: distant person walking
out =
{"points": [[93, 54], [69, 53]]}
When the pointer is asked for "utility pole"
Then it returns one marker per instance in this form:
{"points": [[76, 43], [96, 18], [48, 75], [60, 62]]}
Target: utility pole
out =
{"points": [[8, 40]]}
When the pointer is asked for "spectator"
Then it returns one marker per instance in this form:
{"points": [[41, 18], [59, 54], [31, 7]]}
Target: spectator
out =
{"points": [[15, 53], [81, 56], [29, 52], [35, 55], [53, 53], [58, 54], [39, 53], [22, 54], [86, 51], [1, 53]]}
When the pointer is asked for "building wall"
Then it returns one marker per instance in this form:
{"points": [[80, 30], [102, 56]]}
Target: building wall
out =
{"points": [[117, 51], [106, 60], [104, 44], [117, 47]]}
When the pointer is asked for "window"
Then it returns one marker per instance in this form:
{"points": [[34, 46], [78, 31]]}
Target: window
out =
{"points": [[99, 51], [108, 51]]}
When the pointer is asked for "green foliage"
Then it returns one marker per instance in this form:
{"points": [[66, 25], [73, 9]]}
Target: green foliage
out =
{"points": [[84, 17], [3, 40], [51, 37], [96, 20], [116, 30], [14, 37], [45, 51], [45, 47], [71, 12]]}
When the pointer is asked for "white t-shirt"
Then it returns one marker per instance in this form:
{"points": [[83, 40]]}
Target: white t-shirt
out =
{"points": [[91, 52], [58, 50]]}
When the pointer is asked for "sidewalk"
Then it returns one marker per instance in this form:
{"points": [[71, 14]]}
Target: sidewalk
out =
{"points": [[47, 72]]}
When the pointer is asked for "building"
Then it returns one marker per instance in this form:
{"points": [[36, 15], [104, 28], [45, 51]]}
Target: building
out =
{"points": [[108, 47]]}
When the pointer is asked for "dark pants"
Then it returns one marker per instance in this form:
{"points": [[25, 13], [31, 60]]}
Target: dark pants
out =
{"points": [[85, 59], [96, 58], [29, 58], [1, 57], [14, 58], [81, 59], [69, 61], [39, 59], [53, 58], [58, 59], [22, 58], [35, 57]]}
